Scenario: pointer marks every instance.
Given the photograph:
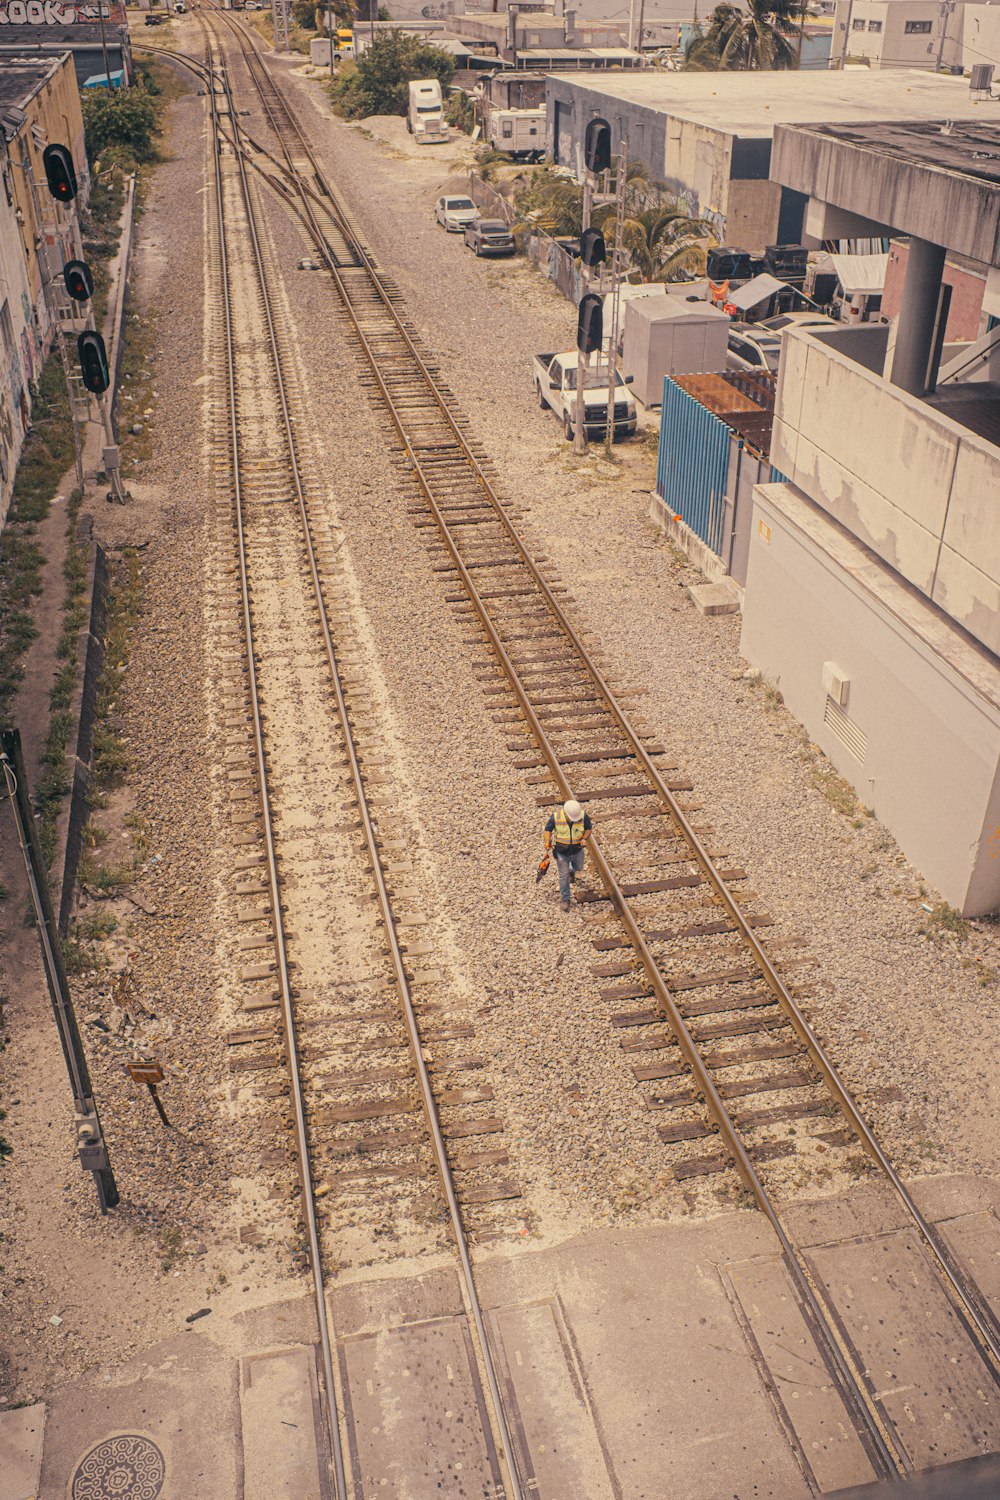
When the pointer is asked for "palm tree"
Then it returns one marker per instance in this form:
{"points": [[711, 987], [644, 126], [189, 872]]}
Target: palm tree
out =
{"points": [[662, 241], [551, 205], [755, 39]]}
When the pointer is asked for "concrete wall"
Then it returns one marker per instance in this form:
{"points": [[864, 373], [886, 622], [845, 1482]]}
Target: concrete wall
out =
{"points": [[20, 352], [578, 103], [977, 28], [751, 220], [923, 705], [914, 486], [53, 115]]}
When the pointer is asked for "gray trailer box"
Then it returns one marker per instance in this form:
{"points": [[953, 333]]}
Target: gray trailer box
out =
{"points": [[671, 336]]}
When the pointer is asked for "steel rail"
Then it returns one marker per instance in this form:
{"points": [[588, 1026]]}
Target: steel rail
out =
{"points": [[979, 1320], [288, 1018], [473, 1305], [886, 1459], [890, 1462]]}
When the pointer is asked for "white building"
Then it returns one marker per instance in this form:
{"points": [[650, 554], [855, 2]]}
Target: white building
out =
{"points": [[949, 35], [894, 34]]}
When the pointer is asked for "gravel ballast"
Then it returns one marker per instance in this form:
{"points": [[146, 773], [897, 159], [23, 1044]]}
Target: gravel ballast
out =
{"points": [[905, 1002]]}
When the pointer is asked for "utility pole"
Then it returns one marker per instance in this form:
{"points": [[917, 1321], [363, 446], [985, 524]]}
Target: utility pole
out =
{"points": [[944, 11], [847, 32], [90, 1146], [621, 187], [582, 369], [635, 20], [104, 43]]}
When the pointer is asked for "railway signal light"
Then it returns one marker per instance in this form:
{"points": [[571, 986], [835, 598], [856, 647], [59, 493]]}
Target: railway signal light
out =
{"points": [[60, 173], [590, 324], [597, 146], [593, 249], [78, 279], [93, 362]]}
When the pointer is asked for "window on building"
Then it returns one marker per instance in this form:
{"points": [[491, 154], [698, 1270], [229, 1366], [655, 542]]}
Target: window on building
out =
{"points": [[534, 39], [857, 25], [6, 328], [508, 128], [917, 28], [874, 25]]}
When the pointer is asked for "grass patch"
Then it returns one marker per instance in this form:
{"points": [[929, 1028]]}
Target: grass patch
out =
{"points": [[45, 458], [110, 757], [94, 928], [54, 783], [135, 391], [942, 922], [104, 880]]}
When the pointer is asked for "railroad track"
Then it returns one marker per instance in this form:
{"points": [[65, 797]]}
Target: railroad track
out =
{"points": [[720, 1044], [350, 1017]]}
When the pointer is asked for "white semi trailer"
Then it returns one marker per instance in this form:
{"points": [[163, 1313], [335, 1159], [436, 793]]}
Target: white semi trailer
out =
{"points": [[425, 119]]}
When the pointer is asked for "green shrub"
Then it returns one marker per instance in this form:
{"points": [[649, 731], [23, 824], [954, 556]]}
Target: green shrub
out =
{"points": [[377, 83], [120, 124]]}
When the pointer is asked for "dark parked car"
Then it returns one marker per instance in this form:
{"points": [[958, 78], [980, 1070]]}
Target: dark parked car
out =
{"points": [[489, 237]]}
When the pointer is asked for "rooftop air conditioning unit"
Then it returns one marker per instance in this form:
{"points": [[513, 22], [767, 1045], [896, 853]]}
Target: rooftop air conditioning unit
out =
{"points": [[981, 81]]}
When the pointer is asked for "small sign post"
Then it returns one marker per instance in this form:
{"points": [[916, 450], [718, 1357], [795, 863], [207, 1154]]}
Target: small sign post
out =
{"points": [[150, 1073]]}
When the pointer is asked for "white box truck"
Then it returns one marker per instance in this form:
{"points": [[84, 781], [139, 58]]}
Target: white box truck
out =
{"points": [[425, 120]]}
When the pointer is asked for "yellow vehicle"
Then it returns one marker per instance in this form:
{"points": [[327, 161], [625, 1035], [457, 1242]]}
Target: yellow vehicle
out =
{"points": [[345, 41]]}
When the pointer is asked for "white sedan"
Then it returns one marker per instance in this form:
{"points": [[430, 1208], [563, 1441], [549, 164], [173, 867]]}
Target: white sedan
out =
{"points": [[454, 213]]}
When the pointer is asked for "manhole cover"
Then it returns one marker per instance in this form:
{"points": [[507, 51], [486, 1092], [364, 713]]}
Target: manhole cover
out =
{"points": [[124, 1467]]}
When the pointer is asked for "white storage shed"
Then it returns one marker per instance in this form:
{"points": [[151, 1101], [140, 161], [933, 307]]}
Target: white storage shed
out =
{"points": [[671, 336]]}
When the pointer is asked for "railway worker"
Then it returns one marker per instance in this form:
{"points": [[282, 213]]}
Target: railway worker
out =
{"points": [[568, 829]]}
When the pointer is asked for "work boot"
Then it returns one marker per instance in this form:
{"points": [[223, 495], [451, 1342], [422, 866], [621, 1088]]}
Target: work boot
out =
{"points": [[565, 905]]}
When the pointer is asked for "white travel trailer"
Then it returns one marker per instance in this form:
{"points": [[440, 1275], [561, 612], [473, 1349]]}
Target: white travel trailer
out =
{"points": [[521, 132]]}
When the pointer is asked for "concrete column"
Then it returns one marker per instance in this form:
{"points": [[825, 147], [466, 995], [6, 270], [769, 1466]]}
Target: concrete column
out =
{"points": [[915, 327]]}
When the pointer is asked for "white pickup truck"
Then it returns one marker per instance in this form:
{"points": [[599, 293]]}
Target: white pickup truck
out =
{"points": [[555, 384]]}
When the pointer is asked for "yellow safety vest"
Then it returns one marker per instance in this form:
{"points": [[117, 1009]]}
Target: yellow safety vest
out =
{"points": [[567, 833]]}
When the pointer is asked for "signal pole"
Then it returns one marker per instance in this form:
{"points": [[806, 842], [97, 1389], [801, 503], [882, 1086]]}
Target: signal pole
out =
{"points": [[90, 1145], [616, 267]]}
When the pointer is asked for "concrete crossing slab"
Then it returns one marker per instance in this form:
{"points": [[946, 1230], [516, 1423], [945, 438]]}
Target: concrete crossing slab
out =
{"points": [[21, 1433]]}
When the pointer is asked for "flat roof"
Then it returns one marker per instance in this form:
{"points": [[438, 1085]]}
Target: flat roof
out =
{"points": [[752, 104], [22, 77], [937, 179]]}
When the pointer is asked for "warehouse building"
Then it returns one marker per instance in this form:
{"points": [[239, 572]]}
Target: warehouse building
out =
{"points": [[709, 135], [39, 105]]}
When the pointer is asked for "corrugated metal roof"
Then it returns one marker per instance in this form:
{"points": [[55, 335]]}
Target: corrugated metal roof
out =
{"points": [[860, 273], [730, 397], [757, 290]]}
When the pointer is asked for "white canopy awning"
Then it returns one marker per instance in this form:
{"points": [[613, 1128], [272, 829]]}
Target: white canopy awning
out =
{"points": [[757, 290], [860, 274]]}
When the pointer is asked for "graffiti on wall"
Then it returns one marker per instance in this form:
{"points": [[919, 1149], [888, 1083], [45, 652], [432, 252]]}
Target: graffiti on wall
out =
{"points": [[56, 13]]}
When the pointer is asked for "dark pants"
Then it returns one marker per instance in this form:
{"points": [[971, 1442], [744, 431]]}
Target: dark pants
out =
{"points": [[567, 860]]}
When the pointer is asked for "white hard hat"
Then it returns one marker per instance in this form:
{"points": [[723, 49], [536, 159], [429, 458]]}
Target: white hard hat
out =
{"points": [[573, 811]]}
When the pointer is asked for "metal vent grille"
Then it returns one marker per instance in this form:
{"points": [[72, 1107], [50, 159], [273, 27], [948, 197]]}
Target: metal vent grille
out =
{"points": [[845, 729]]}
